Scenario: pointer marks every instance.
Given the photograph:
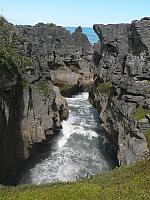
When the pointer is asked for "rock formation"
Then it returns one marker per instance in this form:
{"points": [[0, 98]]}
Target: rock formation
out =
{"points": [[121, 89], [64, 59], [31, 108], [32, 59]]}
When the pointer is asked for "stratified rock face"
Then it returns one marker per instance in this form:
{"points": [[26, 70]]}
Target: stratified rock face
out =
{"points": [[61, 57], [31, 108], [32, 61], [122, 86]]}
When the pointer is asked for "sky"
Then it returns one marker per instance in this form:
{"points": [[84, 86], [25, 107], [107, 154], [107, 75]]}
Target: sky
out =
{"points": [[74, 12]]}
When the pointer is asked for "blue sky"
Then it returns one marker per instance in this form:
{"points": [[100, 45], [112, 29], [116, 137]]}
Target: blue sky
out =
{"points": [[73, 12]]}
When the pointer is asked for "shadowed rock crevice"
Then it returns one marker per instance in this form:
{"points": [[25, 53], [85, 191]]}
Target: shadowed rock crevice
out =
{"points": [[136, 46], [11, 108]]}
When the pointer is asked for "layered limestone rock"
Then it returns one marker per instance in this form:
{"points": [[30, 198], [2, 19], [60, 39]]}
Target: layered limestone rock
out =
{"points": [[121, 89], [32, 60], [31, 108], [64, 58]]}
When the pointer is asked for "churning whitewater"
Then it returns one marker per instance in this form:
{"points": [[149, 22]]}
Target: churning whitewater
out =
{"points": [[77, 151]]}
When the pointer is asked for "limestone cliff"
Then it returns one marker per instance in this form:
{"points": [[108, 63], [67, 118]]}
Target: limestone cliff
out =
{"points": [[32, 60], [64, 58], [31, 108], [121, 89]]}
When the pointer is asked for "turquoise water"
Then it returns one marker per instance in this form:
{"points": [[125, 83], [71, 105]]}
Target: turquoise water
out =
{"points": [[93, 38]]}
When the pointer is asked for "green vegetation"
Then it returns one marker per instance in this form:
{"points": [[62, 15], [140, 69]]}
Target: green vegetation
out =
{"points": [[44, 87], [104, 88], [128, 182], [25, 61], [147, 86], [25, 84], [9, 57], [12, 61], [140, 113], [147, 135]]}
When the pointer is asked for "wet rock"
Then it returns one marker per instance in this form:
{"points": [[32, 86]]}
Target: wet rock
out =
{"points": [[61, 104]]}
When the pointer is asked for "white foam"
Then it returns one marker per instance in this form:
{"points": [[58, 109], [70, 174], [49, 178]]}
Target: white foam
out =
{"points": [[75, 151], [67, 131]]}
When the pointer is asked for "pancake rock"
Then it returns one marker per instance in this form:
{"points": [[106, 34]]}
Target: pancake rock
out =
{"points": [[121, 89], [31, 108], [64, 58]]}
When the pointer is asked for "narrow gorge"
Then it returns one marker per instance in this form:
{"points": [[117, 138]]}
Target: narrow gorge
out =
{"points": [[49, 131], [81, 149]]}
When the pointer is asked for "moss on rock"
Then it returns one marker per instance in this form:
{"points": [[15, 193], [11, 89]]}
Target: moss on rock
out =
{"points": [[44, 87], [140, 113], [104, 88]]}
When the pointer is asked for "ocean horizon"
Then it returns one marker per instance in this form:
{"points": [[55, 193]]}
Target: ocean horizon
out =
{"points": [[93, 38]]}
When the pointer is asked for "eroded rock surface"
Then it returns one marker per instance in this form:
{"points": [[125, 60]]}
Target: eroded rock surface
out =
{"points": [[64, 58], [121, 90], [32, 60]]}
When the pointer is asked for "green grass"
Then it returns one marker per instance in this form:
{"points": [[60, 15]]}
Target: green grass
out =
{"points": [[140, 113], [125, 183], [104, 88]]}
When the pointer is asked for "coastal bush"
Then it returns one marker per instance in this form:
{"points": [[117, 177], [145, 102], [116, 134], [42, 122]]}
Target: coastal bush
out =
{"points": [[5, 59], [104, 88], [140, 113], [127, 182], [9, 57]]}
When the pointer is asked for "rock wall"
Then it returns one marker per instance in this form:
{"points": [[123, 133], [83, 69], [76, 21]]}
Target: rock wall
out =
{"points": [[64, 58], [32, 60], [31, 108], [121, 88]]}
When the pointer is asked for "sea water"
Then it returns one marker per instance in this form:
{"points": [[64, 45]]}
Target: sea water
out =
{"points": [[92, 36], [79, 149]]}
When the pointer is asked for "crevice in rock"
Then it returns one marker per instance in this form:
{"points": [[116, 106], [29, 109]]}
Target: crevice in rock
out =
{"points": [[136, 46]]}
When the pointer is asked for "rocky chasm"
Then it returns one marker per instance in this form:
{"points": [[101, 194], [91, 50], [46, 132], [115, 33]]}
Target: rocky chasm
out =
{"points": [[39, 64], [32, 60]]}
